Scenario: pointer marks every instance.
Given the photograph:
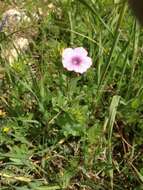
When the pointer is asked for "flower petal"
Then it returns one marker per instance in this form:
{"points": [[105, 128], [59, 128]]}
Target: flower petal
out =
{"points": [[68, 52], [80, 51], [80, 69], [79, 54], [68, 65], [86, 64]]}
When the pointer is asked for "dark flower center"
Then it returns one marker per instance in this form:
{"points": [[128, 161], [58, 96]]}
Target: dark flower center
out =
{"points": [[76, 60]]}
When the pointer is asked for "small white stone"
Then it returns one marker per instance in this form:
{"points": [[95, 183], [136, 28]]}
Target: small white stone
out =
{"points": [[21, 43], [13, 18], [19, 46]]}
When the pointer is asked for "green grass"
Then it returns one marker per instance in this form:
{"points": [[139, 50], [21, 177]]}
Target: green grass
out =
{"points": [[63, 131]]}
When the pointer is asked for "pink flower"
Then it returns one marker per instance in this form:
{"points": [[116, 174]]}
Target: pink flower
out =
{"points": [[76, 60]]}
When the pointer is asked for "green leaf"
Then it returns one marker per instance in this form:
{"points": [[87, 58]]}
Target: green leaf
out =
{"points": [[94, 133]]}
